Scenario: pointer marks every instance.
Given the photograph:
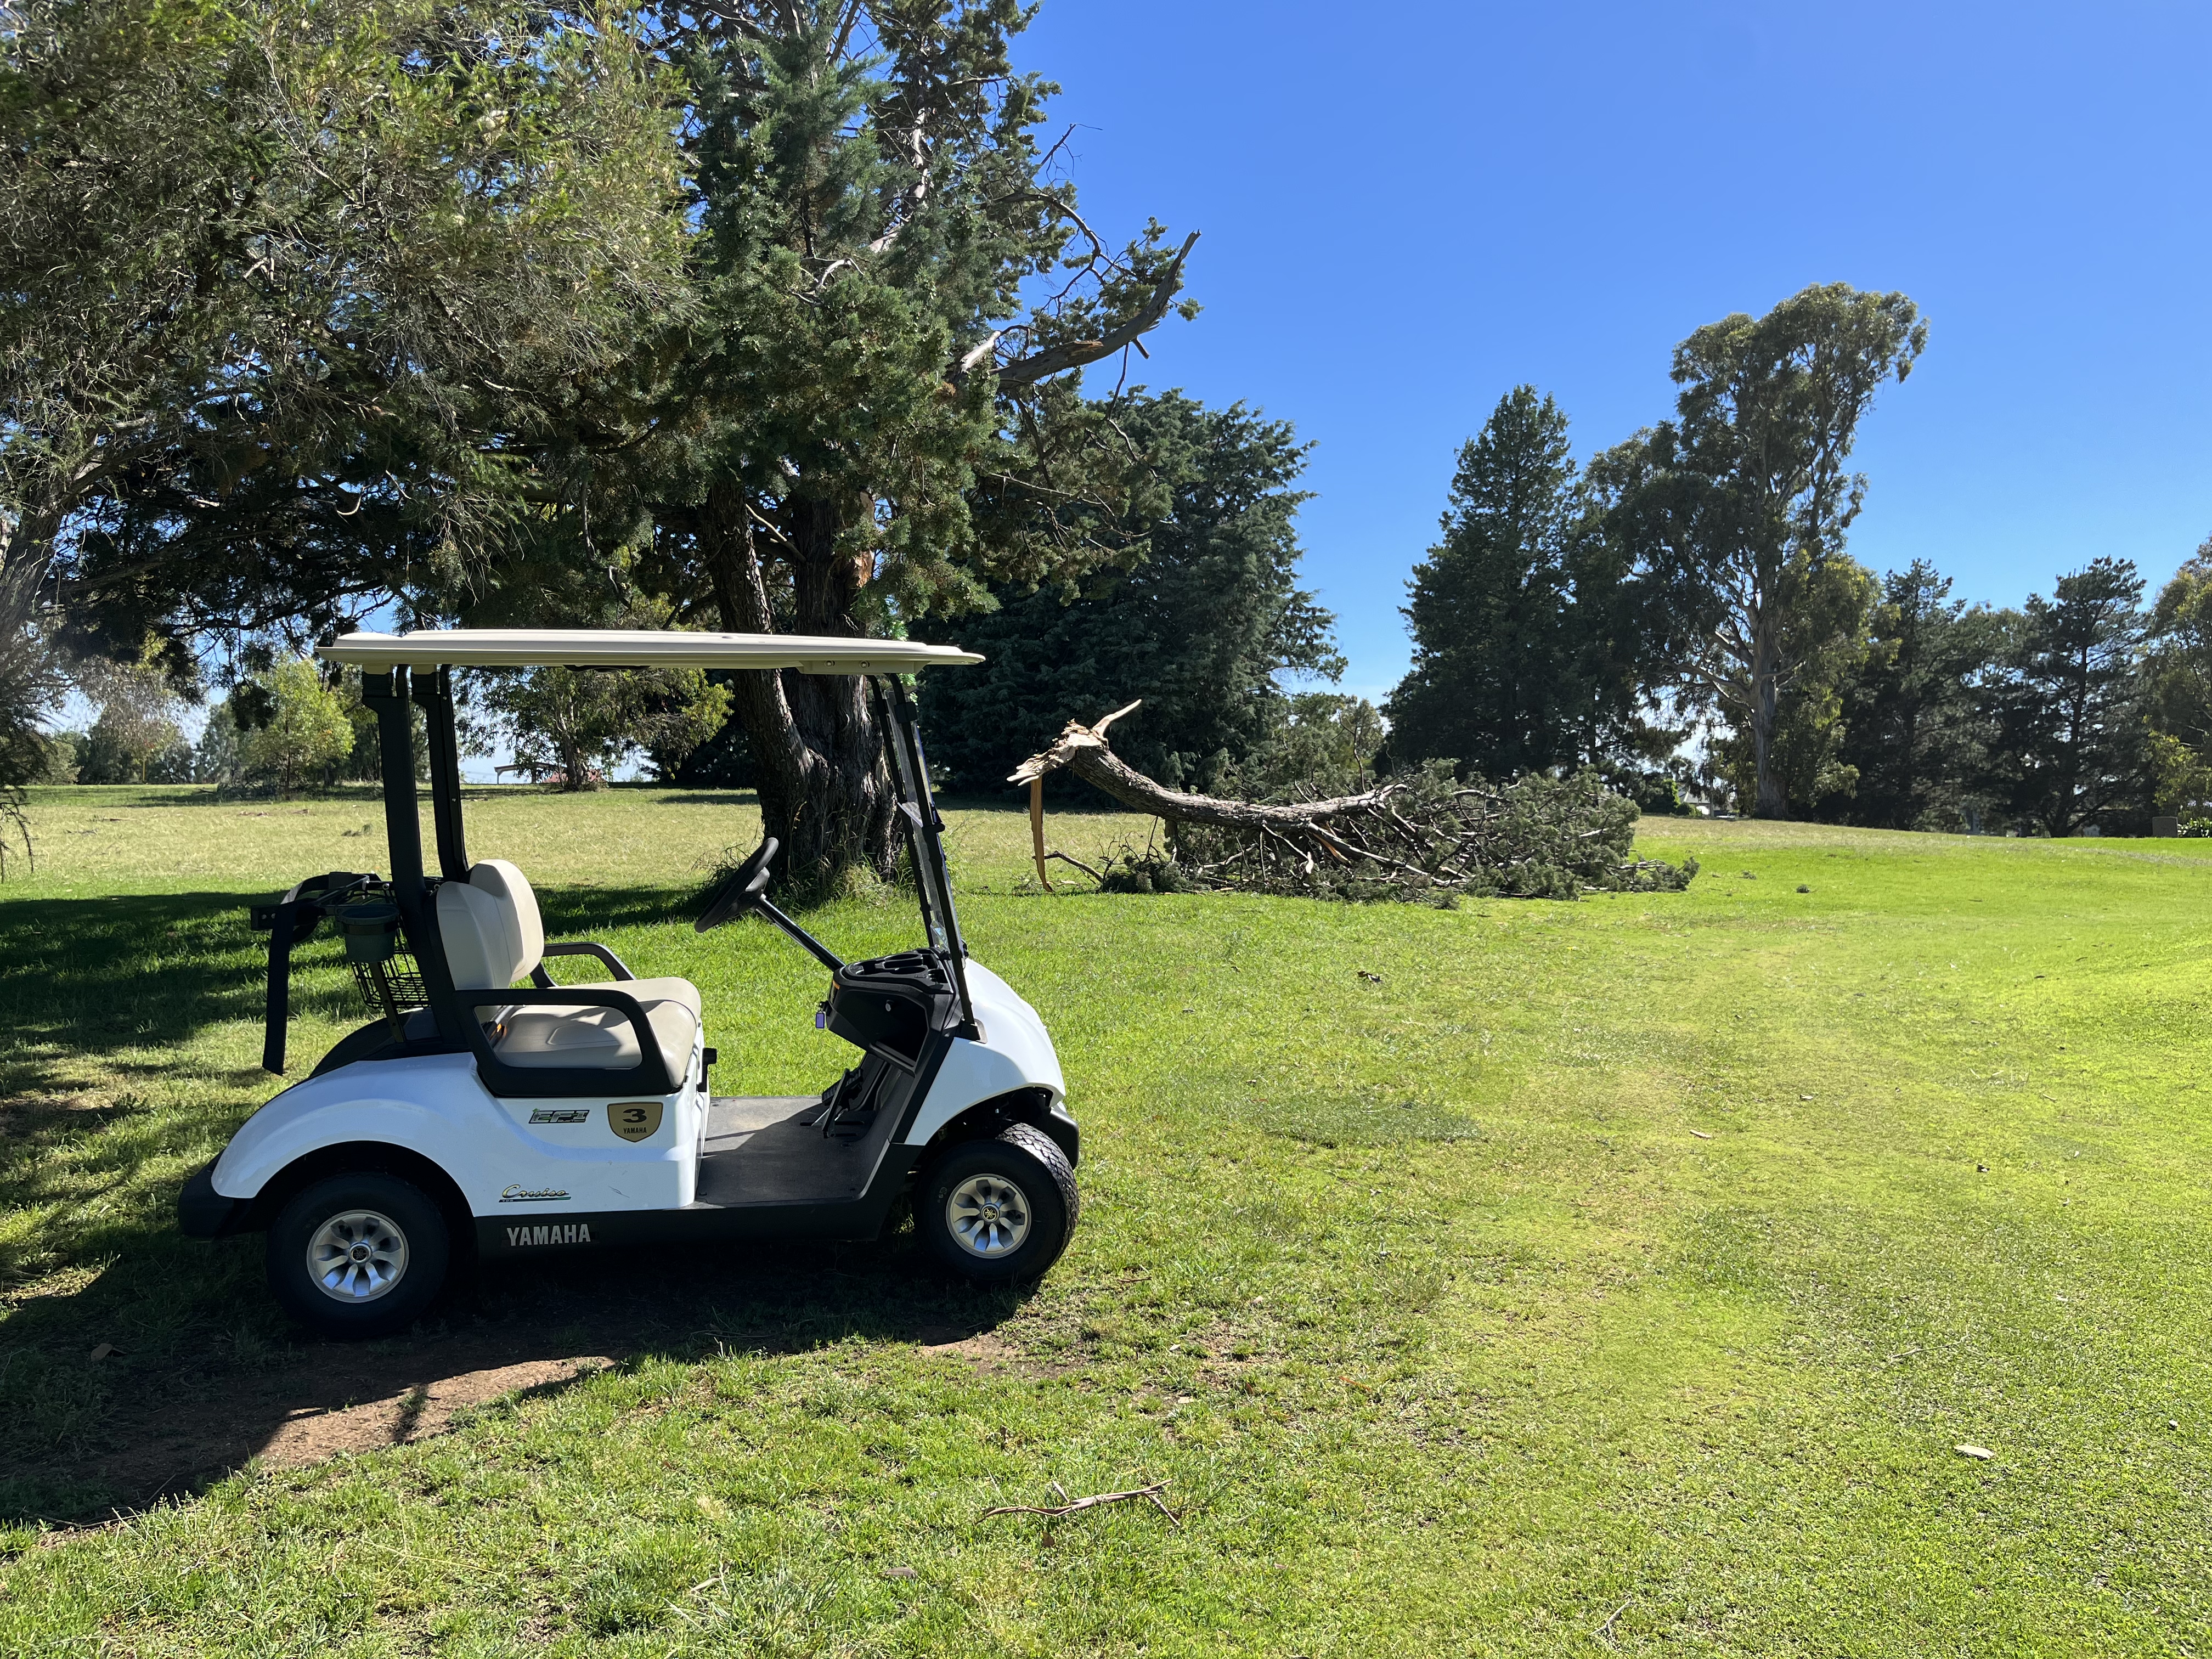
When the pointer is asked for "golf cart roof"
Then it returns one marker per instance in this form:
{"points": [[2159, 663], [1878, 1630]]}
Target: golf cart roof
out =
{"points": [[611, 647]]}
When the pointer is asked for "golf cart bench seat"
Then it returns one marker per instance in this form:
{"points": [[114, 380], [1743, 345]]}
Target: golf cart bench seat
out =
{"points": [[494, 936], [599, 1037]]}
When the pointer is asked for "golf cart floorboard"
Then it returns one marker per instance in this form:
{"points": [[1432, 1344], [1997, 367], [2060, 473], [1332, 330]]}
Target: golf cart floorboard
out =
{"points": [[771, 1150]]}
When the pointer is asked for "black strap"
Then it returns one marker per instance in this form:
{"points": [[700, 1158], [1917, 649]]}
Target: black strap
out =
{"points": [[292, 922]]}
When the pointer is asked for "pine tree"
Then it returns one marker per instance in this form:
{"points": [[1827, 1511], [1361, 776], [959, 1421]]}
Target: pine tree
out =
{"points": [[2068, 744], [1200, 627], [1913, 730], [1495, 677]]}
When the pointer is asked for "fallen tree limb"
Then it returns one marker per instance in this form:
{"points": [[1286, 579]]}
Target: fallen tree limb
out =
{"points": [[1426, 835], [1082, 751]]}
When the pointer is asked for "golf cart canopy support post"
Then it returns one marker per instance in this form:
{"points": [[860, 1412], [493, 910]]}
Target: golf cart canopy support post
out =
{"points": [[431, 654], [434, 692]]}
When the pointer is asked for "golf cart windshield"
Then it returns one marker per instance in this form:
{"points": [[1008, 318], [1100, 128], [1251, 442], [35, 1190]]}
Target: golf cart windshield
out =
{"points": [[925, 829]]}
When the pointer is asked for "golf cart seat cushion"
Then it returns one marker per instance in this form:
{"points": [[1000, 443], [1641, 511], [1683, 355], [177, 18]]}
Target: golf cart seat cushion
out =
{"points": [[681, 992], [517, 898], [601, 1038], [484, 947]]}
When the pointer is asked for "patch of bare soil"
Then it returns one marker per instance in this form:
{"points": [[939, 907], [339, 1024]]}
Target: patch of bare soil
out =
{"points": [[985, 1350], [167, 1417], [311, 1434]]}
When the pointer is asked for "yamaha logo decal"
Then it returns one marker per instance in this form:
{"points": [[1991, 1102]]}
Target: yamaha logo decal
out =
{"points": [[558, 1232]]}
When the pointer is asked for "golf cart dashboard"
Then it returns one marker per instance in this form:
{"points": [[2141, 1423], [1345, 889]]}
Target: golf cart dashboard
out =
{"points": [[889, 1005]]}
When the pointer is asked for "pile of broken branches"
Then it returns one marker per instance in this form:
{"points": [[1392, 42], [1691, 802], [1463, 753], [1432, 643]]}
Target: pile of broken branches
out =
{"points": [[1427, 837]]}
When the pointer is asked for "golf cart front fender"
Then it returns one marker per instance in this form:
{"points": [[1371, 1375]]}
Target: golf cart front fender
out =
{"points": [[333, 1109], [1013, 1054]]}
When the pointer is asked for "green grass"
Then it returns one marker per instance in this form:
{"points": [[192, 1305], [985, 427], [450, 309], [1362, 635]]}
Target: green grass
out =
{"points": [[1616, 1276]]}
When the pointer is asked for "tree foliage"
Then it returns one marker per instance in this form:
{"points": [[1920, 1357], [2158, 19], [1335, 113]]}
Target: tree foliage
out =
{"points": [[307, 730], [2068, 710], [287, 289], [2179, 670], [1913, 734], [577, 725], [1199, 618], [1488, 608], [1737, 509]]}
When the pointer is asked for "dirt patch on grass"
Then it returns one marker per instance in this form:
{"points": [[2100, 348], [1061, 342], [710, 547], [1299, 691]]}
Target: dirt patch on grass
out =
{"points": [[163, 1412], [985, 1350], [311, 1434]]}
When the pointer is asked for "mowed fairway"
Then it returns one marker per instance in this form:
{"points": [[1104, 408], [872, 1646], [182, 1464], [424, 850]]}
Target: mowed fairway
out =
{"points": [[1522, 1278]]}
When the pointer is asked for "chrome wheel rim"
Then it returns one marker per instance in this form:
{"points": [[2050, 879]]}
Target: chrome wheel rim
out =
{"points": [[356, 1256], [989, 1216]]}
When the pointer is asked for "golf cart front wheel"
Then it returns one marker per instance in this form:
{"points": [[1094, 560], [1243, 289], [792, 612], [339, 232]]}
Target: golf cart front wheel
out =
{"points": [[358, 1255], [997, 1211]]}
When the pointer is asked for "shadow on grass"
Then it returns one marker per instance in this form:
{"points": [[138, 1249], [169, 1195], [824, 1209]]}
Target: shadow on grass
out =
{"points": [[709, 798], [200, 1374], [136, 1363]]}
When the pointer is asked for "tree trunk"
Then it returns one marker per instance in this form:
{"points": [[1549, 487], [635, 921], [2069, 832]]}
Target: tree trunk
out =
{"points": [[1771, 802], [824, 791]]}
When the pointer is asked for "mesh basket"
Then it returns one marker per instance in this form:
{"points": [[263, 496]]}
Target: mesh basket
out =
{"points": [[392, 988]]}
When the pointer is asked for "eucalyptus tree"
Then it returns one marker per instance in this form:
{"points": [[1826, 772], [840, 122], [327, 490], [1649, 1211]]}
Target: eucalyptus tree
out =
{"points": [[1738, 507], [2179, 665]]}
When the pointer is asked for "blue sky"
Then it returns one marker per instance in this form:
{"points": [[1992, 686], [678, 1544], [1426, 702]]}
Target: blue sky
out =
{"points": [[1408, 210]]}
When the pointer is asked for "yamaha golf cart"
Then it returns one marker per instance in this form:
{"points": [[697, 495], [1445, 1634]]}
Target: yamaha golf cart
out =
{"points": [[532, 1119]]}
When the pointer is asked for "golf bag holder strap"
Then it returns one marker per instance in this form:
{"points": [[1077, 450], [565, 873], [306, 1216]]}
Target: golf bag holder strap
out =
{"points": [[287, 922]]}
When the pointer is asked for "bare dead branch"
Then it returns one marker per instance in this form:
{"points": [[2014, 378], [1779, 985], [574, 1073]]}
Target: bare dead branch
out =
{"points": [[1057, 360]]}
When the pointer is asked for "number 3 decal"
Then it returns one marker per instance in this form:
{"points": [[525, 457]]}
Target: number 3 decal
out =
{"points": [[634, 1119]]}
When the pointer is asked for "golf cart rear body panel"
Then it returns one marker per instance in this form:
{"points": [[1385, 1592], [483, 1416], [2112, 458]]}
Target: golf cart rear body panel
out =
{"points": [[570, 1116]]}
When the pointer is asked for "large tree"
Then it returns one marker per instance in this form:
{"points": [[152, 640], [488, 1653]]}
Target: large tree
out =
{"points": [[1493, 682], [1738, 507], [1913, 730], [2179, 665], [1201, 626], [871, 418], [283, 288], [2068, 746], [857, 409]]}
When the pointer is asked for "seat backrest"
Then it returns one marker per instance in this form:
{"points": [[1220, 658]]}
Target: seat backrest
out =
{"points": [[512, 888], [490, 927]]}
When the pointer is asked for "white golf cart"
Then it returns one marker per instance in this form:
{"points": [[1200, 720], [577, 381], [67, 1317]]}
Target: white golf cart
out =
{"points": [[524, 1120]]}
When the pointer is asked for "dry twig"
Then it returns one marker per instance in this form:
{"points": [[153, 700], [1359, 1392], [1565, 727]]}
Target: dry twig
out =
{"points": [[1097, 1500]]}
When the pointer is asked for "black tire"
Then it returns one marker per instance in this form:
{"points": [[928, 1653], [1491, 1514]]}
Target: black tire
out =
{"points": [[360, 1309], [1028, 1162]]}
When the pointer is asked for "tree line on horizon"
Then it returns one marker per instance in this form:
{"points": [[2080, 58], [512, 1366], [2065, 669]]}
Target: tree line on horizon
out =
{"points": [[1548, 636], [775, 318]]}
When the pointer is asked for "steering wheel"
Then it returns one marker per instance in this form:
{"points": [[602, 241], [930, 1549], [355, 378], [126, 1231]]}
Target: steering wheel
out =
{"points": [[735, 896]]}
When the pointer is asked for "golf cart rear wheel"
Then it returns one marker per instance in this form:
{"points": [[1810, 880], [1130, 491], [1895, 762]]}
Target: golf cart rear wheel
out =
{"points": [[997, 1211], [358, 1255]]}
